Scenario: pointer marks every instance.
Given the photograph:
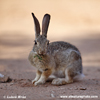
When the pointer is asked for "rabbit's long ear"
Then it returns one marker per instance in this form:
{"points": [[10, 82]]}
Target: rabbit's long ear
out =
{"points": [[45, 24], [37, 26]]}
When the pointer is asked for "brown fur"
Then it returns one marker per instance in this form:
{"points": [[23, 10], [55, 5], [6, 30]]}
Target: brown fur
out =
{"points": [[59, 58], [47, 73], [75, 56]]}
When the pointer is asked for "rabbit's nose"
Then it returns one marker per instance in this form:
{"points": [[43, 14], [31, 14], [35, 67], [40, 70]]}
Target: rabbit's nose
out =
{"points": [[41, 52]]}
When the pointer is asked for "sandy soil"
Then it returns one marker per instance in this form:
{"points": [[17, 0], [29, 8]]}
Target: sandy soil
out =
{"points": [[77, 22]]}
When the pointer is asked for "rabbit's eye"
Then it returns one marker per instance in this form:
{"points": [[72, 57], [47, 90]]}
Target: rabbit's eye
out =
{"points": [[35, 42], [48, 43]]}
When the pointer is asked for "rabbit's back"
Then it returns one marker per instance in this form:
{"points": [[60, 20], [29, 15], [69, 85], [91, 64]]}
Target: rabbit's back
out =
{"points": [[61, 46]]}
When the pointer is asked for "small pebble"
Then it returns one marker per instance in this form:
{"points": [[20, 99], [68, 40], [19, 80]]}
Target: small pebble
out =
{"points": [[82, 88], [52, 95], [1, 75]]}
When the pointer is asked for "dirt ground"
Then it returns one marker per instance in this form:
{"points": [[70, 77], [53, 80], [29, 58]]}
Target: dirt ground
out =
{"points": [[79, 26]]}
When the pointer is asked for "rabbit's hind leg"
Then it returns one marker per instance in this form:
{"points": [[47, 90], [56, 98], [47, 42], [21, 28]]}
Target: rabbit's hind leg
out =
{"points": [[68, 76], [59, 81], [62, 81]]}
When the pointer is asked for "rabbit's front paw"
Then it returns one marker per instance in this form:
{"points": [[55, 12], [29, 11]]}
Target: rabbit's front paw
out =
{"points": [[58, 81], [39, 83], [33, 81]]}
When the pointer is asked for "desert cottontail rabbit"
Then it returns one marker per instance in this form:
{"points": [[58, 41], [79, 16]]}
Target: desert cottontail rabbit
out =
{"points": [[60, 59]]}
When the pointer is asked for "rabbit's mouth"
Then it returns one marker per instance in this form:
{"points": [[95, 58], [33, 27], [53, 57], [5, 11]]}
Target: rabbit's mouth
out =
{"points": [[41, 53]]}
